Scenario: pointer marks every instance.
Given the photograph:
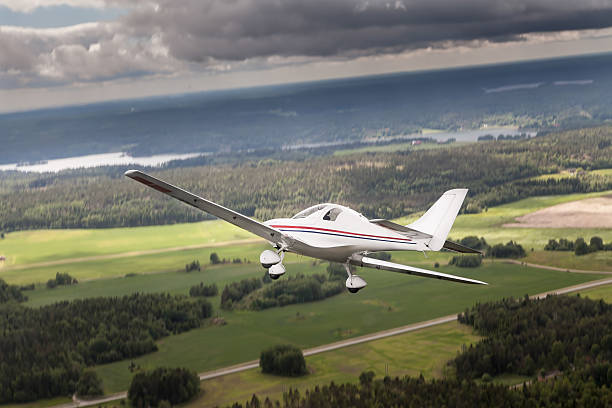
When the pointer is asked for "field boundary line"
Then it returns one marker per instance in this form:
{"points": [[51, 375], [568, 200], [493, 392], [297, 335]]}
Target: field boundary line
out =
{"points": [[555, 268], [207, 375], [131, 254]]}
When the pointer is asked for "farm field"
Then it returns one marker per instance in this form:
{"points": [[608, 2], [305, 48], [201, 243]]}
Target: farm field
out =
{"points": [[390, 300], [425, 351]]}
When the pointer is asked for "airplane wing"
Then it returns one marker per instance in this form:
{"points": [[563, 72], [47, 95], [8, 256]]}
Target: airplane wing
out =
{"points": [[239, 220], [360, 260]]}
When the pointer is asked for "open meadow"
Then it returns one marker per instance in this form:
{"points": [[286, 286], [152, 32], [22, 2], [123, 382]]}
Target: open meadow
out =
{"points": [[423, 352]]}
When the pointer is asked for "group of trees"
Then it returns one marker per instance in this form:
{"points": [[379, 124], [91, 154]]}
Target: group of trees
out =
{"points": [[523, 336], [379, 185], [295, 289], [61, 279], [466, 261], [43, 351], [580, 247], [204, 290], [163, 387], [193, 266], [252, 294], [510, 249], [286, 360], [10, 293]]}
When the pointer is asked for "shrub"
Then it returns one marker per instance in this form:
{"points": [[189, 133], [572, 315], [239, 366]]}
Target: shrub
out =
{"points": [[193, 266], [174, 385], [509, 250], [214, 258], [466, 261], [61, 279], [204, 290], [89, 385], [286, 360]]}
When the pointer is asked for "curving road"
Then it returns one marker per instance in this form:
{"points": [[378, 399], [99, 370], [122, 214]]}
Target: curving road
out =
{"points": [[333, 346]]}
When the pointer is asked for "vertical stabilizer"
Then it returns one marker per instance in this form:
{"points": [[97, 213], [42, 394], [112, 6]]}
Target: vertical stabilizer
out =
{"points": [[439, 219]]}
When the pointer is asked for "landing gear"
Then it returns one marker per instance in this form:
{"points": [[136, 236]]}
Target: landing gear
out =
{"points": [[354, 283], [273, 262]]}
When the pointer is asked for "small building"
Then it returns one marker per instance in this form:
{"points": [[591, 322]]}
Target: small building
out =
{"points": [[2, 258]]}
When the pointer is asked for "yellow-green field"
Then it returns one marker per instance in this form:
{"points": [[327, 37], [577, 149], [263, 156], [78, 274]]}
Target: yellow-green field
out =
{"points": [[424, 352], [600, 292]]}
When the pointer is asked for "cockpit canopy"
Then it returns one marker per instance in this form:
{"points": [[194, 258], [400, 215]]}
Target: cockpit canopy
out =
{"points": [[332, 211]]}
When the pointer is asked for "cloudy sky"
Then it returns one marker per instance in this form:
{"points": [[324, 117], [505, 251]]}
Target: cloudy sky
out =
{"points": [[57, 52]]}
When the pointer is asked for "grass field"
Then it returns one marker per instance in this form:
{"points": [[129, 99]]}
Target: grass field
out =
{"points": [[26, 247], [424, 352], [600, 292], [45, 245], [396, 147], [390, 300]]}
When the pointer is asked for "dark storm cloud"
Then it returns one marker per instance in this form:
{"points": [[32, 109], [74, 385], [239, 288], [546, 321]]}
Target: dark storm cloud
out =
{"points": [[196, 30], [174, 36]]}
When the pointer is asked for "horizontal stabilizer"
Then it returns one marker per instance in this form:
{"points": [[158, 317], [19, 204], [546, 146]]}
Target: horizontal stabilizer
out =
{"points": [[453, 246], [360, 260], [408, 232]]}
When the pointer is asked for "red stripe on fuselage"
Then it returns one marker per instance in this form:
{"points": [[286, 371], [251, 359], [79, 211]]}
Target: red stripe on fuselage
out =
{"points": [[341, 232]]}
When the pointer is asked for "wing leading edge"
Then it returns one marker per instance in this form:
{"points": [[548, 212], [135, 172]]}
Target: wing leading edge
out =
{"points": [[217, 210], [360, 260]]}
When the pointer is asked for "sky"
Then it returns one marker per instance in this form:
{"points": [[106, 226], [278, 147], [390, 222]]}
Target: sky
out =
{"points": [[66, 52]]}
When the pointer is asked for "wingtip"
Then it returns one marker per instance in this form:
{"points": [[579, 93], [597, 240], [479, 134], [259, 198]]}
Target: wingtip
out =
{"points": [[130, 173]]}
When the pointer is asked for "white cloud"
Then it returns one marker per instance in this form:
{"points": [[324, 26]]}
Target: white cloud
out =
{"points": [[27, 6]]}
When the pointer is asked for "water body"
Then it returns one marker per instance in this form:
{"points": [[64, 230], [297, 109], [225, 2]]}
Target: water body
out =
{"points": [[96, 160]]}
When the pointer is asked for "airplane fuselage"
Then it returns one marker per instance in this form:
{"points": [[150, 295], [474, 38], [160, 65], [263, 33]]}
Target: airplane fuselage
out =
{"points": [[337, 236]]}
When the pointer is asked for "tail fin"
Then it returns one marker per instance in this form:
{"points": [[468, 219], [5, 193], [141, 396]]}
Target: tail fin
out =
{"points": [[439, 219]]}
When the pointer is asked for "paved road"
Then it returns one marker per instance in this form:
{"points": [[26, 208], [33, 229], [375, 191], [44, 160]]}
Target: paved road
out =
{"points": [[333, 346], [132, 253]]}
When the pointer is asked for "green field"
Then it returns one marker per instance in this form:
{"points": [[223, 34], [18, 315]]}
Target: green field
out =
{"points": [[47, 245], [396, 147], [600, 292], [424, 352], [27, 247], [390, 300]]}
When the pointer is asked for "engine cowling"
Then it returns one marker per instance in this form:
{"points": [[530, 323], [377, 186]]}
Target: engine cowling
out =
{"points": [[355, 283], [269, 258], [276, 271]]}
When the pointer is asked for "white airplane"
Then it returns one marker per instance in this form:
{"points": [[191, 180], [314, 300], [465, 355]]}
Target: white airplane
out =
{"points": [[336, 233]]}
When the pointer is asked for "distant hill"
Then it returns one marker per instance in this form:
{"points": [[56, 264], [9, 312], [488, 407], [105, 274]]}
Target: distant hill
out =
{"points": [[548, 94]]}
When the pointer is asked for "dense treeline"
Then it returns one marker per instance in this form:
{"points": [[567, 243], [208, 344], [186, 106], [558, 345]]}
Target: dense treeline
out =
{"points": [[43, 350], [510, 249], [579, 247], [283, 359], [10, 292], [163, 387], [524, 336], [379, 185], [581, 389], [466, 261], [236, 291]]}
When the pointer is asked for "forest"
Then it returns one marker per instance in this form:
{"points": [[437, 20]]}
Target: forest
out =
{"points": [[43, 351], [381, 185], [567, 338]]}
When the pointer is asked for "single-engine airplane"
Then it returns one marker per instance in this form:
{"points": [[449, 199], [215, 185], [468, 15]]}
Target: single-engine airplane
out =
{"points": [[336, 233]]}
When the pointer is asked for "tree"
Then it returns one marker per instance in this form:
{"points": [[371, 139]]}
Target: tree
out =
{"points": [[596, 244], [214, 258], [174, 385], [89, 385], [284, 360], [581, 248]]}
